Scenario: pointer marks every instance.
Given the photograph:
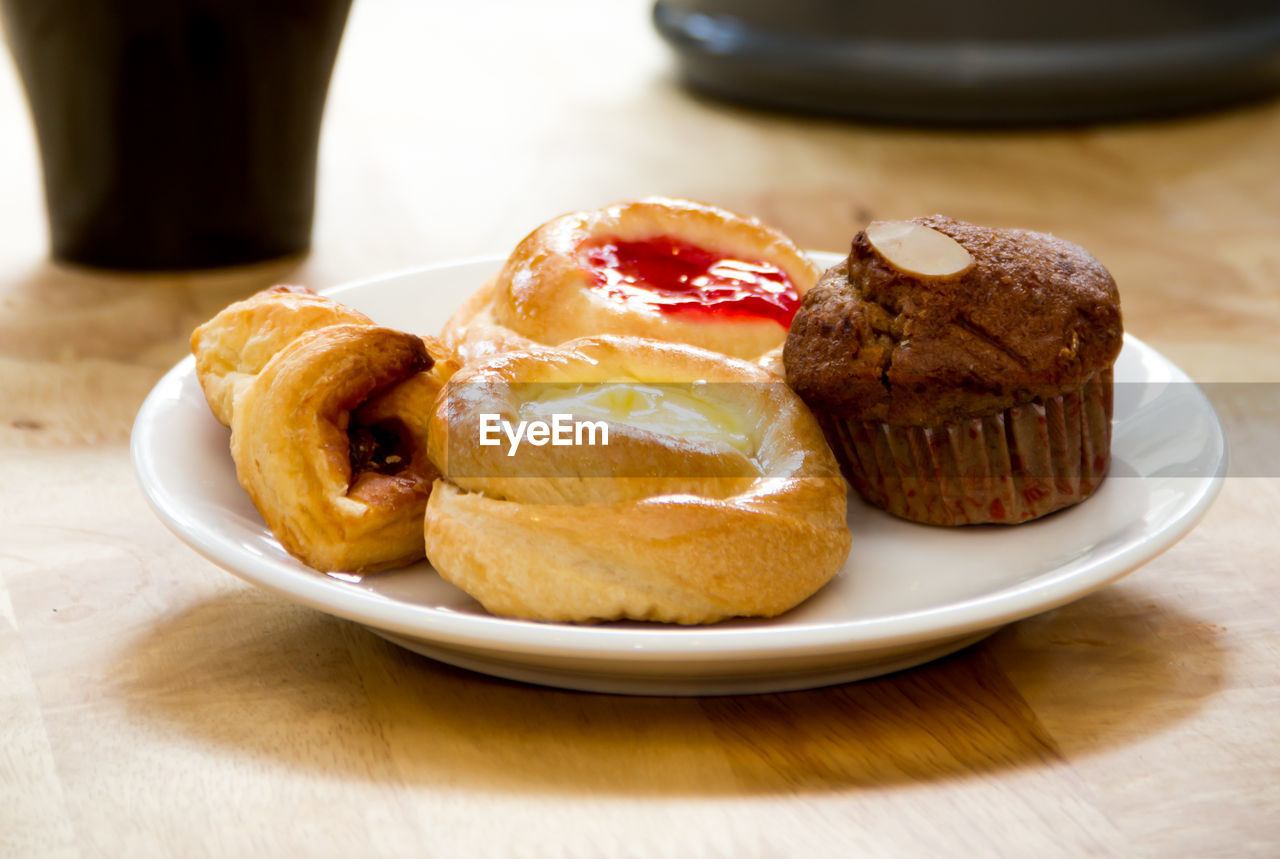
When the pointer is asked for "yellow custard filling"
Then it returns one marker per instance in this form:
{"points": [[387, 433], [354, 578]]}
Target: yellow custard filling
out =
{"points": [[674, 410]]}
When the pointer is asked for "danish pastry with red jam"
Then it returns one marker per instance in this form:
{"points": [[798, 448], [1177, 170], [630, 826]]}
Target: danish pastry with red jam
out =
{"points": [[660, 268]]}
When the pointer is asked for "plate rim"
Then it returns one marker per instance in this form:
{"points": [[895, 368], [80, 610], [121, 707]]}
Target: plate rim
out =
{"points": [[664, 642]]}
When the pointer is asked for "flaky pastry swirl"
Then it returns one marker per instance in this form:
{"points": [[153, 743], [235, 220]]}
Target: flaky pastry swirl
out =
{"points": [[656, 525], [233, 347], [329, 440], [328, 423], [542, 294]]}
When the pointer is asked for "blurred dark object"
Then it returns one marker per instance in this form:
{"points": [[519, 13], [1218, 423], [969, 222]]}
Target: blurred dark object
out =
{"points": [[176, 133], [990, 61]]}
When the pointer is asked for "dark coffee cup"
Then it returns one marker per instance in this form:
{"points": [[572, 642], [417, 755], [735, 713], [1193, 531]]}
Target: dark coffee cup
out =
{"points": [[176, 134]]}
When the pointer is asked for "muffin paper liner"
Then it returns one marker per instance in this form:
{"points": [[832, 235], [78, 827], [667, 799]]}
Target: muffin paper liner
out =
{"points": [[1010, 467]]}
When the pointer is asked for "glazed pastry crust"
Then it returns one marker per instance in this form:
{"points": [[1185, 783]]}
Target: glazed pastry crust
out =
{"points": [[542, 295], [317, 398], [687, 534], [291, 439], [233, 347]]}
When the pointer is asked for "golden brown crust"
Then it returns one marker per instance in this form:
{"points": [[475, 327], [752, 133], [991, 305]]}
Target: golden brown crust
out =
{"points": [[683, 532], [296, 440], [328, 414], [675, 559], [233, 347], [541, 295], [1033, 317]]}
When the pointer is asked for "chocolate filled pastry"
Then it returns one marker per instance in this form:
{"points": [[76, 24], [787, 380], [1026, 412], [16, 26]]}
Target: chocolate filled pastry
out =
{"points": [[329, 440], [617, 477], [666, 269], [328, 417]]}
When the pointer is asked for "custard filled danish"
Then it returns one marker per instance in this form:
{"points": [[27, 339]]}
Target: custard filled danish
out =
{"points": [[661, 268], [618, 477]]}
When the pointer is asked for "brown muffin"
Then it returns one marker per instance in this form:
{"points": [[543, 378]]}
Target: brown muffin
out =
{"points": [[962, 374]]}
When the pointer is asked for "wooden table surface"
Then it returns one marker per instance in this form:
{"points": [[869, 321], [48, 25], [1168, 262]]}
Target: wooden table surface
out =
{"points": [[152, 704]]}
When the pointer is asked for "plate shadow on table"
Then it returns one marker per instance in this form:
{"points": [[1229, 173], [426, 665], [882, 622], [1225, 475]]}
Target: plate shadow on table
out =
{"points": [[313, 692]]}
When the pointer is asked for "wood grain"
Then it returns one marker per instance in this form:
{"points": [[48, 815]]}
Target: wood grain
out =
{"points": [[153, 705]]}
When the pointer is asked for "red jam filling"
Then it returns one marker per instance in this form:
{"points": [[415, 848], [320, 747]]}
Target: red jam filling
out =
{"points": [[680, 278]]}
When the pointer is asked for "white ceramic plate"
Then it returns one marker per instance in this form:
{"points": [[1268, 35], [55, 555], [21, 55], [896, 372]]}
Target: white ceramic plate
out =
{"points": [[909, 593]]}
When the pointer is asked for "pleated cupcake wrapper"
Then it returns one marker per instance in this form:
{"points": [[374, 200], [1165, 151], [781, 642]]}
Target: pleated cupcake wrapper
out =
{"points": [[1009, 467]]}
